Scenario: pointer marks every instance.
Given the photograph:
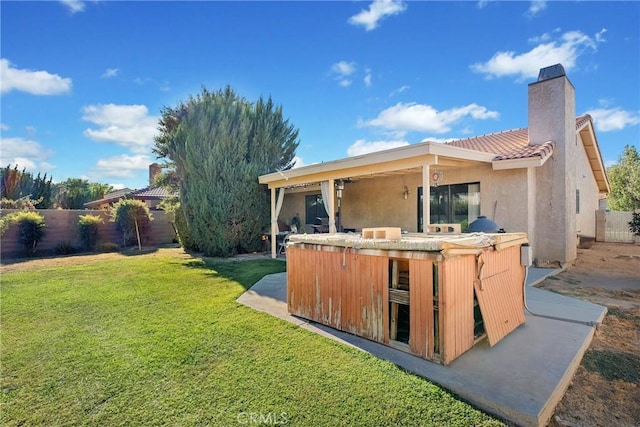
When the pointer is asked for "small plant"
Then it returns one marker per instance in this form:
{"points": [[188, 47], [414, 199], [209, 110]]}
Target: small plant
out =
{"points": [[30, 228], [108, 247], [133, 220], [634, 224], [88, 230], [65, 248]]}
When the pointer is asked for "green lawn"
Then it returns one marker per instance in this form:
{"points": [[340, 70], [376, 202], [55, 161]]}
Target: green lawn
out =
{"points": [[159, 339]]}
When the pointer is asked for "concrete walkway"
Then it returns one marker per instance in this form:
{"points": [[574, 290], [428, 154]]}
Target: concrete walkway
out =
{"points": [[521, 379]]}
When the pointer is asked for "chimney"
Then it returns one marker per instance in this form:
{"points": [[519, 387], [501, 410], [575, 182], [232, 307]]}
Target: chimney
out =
{"points": [[552, 117], [154, 170]]}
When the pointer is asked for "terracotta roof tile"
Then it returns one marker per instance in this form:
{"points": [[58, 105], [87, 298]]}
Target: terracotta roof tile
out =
{"points": [[153, 193], [511, 144]]}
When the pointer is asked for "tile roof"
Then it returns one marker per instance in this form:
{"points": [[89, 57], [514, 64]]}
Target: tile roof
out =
{"points": [[512, 144], [114, 195], [153, 193]]}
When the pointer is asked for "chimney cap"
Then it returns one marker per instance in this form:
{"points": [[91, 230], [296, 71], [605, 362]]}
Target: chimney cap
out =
{"points": [[551, 72]]}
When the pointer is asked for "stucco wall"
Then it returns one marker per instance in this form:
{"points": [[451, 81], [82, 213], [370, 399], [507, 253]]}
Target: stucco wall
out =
{"points": [[380, 201], [589, 194]]}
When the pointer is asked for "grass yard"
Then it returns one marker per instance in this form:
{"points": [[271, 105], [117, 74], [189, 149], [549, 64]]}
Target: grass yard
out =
{"points": [[158, 339]]}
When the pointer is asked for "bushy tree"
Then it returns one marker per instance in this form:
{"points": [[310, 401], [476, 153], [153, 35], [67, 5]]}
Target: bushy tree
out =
{"points": [[624, 179], [31, 228], [133, 219], [219, 143], [75, 192], [15, 185], [88, 230]]}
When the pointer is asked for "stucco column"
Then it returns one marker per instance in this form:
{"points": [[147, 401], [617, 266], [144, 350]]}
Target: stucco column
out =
{"points": [[426, 197], [274, 223], [332, 206]]}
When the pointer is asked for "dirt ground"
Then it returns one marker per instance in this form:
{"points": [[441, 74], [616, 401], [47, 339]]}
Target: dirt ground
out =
{"points": [[605, 390]]}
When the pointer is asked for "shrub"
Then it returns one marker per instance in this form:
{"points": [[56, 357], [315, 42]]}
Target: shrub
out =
{"points": [[88, 230], [65, 248], [634, 224], [108, 247], [133, 220], [30, 228]]}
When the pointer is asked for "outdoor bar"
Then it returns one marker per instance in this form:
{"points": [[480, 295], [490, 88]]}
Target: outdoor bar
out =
{"points": [[431, 295]]}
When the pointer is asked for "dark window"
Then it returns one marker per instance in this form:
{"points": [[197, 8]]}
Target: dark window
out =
{"points": [[314, 208], [577, 201], [451, 204]]}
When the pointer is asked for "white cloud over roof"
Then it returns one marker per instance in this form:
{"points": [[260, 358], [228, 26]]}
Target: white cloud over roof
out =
{"points": [[378, 10], [122, 166], [612, 119], [565, 50], [363, 146], [130, 126], [33, 82], [425, 118]]}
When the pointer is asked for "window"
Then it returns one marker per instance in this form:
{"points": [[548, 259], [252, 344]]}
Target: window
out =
{"points": [[577, 201], [314, 208], [451, 204]]}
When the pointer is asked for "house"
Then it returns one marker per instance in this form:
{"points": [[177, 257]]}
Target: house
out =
{"points": [[151, 195], [545, 180]]}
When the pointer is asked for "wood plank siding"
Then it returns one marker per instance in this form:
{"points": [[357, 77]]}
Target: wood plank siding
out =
{"points": [[422, 304], [499, 292]]}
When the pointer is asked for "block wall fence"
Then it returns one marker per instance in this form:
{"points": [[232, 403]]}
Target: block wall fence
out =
{"points": [[62, 226]]}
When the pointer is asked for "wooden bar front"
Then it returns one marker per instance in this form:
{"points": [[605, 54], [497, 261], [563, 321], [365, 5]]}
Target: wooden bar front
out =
{"points": [[418, 302]]}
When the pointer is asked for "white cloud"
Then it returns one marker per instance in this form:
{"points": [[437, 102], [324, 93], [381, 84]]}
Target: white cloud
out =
{"points": [[25, 153], [362, 146], [130, 126], [377, 10], [298, 162], [536, 7], [74, 6], [425, 118], [110, 72], [33, 82], [367, 77], [399, 90], [565, 50], [342, 70], [117, 186], [612, 119], [4, 127], [482, 4], [122, 166]]}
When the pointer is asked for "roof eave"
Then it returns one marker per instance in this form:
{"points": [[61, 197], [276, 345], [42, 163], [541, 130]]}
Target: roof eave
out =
{"points": [[406, 156], [529, 162]]}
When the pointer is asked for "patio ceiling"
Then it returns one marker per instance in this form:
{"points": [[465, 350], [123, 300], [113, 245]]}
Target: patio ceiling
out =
{"points": [[401, 160]]}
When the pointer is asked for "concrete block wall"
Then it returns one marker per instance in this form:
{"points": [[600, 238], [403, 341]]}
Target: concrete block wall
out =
{"points": [[62, 226]]}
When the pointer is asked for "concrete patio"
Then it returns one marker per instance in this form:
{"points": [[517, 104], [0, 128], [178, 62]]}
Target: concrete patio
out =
{"points": [[520, 379]]}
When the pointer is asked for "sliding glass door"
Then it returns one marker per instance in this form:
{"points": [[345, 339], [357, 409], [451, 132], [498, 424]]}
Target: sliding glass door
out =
{"points": [[451, 204]]}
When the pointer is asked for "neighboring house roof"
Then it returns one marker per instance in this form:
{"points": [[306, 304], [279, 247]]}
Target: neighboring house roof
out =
{"points": [[148, 193], [153, 193], [110, 197]]}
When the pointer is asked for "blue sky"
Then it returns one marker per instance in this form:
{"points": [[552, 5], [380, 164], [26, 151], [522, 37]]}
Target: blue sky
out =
{"points": [[83, 82]]}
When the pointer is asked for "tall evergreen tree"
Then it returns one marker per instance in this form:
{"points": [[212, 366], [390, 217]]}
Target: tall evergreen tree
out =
{"points": [[219, 143]]}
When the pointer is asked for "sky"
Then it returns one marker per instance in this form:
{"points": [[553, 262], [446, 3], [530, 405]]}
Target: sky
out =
{"points": [[83, 83]]}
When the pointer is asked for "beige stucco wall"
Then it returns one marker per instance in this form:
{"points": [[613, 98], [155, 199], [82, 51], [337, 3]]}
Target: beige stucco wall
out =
{"points": [[377, 202], [589, 194]]}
